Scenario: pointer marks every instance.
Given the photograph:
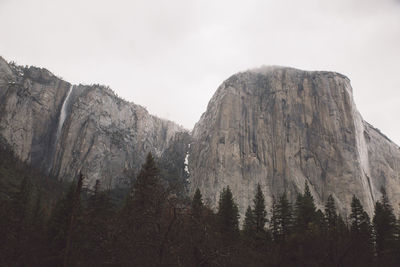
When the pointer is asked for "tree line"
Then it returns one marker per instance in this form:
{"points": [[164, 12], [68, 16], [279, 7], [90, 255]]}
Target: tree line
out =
{"points": [[157, 227]]}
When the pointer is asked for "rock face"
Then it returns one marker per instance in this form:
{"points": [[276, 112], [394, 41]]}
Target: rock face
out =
{"points": [[282, 127], [62, 129], [279, 127]]}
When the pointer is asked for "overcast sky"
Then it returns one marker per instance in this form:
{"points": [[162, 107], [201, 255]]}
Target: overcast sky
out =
{"points": [[170, 56]]}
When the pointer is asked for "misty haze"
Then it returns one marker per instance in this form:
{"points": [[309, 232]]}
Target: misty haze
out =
{"points": [[186, 133]]}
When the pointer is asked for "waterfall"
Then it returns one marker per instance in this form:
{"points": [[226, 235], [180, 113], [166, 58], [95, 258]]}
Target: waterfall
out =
{"points": [[61, 120], [63, 113]]}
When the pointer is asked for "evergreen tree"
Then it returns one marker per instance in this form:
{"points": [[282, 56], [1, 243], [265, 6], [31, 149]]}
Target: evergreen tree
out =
{"points": [[228, 214], [75, 213], [286, 215], [249, 225], [17, 227], [58, 224], [95, 228], [397, 246], [142, 233], [260, 214], [341, 227], [329, 223], [62, 224], [275, 222], [197, 204], [305, 210], [282, 218], [330, 214], [360, 224], [148, 194], [319, 220], [361, 235], [384, 224], [37, 233]]}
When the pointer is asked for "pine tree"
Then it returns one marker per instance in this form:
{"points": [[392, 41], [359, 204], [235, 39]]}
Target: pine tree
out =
{"points": [[249, 225], [145, 202], [275, 222], [148, 194], [197, 204], [360, 234], [95, 228], [384, 224], [228, 215], [282, 218], [260, 214], [75, 212], [330, 214], [319, 220], [62, 224], [360, 224], [37, 234], [305, 210], [142, 229], [17, 226], [58, 222], [341, 227], [397, 246]]}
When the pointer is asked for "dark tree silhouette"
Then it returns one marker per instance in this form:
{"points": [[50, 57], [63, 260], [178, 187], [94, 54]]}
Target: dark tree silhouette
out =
{"points": [[197, 204], [260, 214], [330, 215], [305, 210], [282, 218], [384, 225], [228, 215], [249, 225], [61, 229], [361, 235]]}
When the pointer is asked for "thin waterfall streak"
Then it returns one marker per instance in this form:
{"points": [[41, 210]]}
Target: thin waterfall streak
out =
{"points": [[63, 113], [61, 120]]}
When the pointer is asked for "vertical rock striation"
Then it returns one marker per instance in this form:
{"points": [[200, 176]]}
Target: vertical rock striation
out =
{"points": [[279, 127], [89, 128], [30, 103], [282, 127]]}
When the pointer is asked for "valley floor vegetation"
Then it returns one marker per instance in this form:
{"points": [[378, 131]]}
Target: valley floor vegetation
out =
{"points": [[156, 227]]}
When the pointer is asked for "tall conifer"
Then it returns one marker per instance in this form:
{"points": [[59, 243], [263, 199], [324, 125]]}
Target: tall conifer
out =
{"points": [[260, 214], [384, 224], [228, 214], [249, 225], [330, 214], [197, 204], [305, 210]]}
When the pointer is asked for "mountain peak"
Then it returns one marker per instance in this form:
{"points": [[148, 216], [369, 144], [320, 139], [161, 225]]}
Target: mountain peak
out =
{"points": [[276, 126], [283, 127]]}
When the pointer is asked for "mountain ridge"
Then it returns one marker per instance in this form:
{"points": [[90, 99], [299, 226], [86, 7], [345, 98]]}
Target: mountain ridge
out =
{"points": [[102, 124], [277, 126], [267, 124]]}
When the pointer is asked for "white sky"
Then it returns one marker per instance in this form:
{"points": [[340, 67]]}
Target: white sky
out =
{"points": [[170, 56]]}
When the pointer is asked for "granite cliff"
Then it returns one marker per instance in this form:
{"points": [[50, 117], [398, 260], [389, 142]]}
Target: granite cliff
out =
{"points": [[63, 129], [283, 127], [279, 127]]}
